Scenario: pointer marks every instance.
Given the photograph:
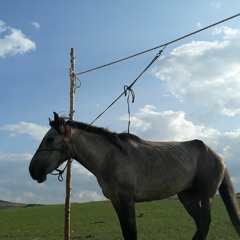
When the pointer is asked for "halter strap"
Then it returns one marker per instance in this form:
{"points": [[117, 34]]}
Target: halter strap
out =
{"points": [[66, 148]]}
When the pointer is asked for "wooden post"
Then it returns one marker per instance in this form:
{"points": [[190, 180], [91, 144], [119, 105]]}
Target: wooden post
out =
{"points": [[69, 165]]}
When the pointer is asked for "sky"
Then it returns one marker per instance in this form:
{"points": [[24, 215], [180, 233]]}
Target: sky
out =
{"points": [[192, 91]]}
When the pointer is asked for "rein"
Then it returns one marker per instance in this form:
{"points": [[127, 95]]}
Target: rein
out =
{"points": [[60, 172]]}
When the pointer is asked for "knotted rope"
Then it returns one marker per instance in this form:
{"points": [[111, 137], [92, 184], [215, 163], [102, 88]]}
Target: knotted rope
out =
{"points": [[128, 91], [129, 88], [60, 172]]}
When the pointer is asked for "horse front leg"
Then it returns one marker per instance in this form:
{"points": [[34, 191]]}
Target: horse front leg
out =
{"points": [[125, 209]]}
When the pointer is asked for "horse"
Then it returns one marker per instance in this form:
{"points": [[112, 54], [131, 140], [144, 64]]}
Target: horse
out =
{"points": [[130, 169]]}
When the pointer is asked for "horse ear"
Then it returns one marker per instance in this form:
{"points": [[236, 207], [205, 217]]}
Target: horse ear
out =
{"points": [[60, 125], [56, 123], [56, 118]]}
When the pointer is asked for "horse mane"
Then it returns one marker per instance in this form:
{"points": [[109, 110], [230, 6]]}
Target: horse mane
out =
{"points": [[115, 138]]}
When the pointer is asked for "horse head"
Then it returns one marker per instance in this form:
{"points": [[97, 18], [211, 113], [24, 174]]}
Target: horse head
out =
{"points": [[52, 151]]}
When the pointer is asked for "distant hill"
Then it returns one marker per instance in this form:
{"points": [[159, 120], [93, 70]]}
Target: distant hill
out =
{"points": [[5, 204]]}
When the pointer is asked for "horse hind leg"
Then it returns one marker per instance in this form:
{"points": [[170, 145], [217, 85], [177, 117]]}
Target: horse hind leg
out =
{"points": [[191, 201], [205, 216], [199, 208]]}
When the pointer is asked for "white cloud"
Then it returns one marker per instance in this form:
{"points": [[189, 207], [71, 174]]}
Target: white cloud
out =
{"points": [[216, 4], [14, 41], [199, 25], [3, 26], [15, 156], [34, 130], [87, 196], [35, 24], [167, 125], [79, 169], [205, 73]]}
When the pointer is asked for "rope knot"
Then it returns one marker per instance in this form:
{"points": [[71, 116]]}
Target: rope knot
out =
{"points": [[128, 89], [61, 172]]}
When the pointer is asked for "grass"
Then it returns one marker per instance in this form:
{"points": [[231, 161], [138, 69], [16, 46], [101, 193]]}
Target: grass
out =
{"points": [[164, 220]]}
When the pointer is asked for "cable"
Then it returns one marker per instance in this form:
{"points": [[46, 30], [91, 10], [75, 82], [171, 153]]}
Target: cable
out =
{"points": [[168, 43]]}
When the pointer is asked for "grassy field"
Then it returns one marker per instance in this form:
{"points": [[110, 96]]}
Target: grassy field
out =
{"points": [[162, 220]]}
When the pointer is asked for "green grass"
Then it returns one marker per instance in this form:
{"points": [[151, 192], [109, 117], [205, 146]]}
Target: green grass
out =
{"points": [[164, 220]]}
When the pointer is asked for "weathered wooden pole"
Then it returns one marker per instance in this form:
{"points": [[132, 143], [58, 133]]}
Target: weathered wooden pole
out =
{"points": [[69, 165]]}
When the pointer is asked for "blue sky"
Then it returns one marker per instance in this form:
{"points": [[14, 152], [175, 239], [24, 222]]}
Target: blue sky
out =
{"points": [[192, 91]]}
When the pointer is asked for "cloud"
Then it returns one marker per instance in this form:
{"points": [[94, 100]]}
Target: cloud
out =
{"points": [[35, 24], [199, 25], [87, 196], [154, 125], [216, 4], [34, 130], [79, 169], [205, 73], [13, 41], [3, 26], [15, 157], [167, 125]]}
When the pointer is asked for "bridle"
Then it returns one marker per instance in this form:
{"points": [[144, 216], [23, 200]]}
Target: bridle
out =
{"points": [[66, 149]]}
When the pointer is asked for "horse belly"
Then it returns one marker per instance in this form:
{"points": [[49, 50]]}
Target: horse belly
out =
{"points": [[163, 187], [163, 176], [151, 195]]}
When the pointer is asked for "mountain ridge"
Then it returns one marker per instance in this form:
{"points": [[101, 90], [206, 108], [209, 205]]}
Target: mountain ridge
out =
{"points": [[6, 204]]}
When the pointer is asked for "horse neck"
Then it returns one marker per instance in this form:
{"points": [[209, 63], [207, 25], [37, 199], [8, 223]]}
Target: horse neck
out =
{"points": [[90, 149]]}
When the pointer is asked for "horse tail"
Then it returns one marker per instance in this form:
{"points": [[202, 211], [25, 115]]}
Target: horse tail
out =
{"points": [[227, 193]]}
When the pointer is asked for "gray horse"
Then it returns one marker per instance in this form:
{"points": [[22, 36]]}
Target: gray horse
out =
{"points": [[130, 170]]}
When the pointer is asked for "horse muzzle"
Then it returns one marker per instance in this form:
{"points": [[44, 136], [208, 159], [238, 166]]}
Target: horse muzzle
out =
{"points": [[37, 175]]}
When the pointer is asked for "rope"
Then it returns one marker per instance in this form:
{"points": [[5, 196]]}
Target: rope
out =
{"points": [[132, 93], [61, 172], [168, 43], [129, 88], [77, 82], [126, 88]]}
